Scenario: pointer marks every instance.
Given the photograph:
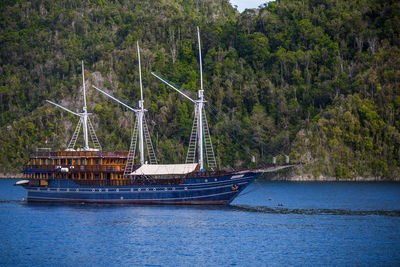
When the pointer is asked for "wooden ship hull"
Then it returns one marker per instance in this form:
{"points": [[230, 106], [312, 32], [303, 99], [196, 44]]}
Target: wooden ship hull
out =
{"points": [[201, 189], [98, 177]]}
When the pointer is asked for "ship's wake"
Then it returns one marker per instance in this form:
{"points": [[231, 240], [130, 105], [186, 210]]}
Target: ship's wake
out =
{"points": [[281, 210], [4, 201]]}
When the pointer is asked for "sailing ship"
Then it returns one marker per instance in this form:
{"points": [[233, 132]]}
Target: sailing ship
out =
{"points": [[90, 175]]}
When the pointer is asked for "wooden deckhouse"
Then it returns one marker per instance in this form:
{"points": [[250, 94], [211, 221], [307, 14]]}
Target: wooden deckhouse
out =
{"points": [[83, 167]]}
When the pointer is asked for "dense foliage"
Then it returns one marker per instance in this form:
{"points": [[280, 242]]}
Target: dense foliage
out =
{"points": [[314, 79]]}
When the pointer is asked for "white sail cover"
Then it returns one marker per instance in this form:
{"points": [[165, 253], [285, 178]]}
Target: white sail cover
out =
{"points": [[165, 169]]}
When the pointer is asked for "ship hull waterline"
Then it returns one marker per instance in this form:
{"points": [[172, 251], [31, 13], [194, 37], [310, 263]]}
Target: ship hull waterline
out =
{"points": [[219, 190]]}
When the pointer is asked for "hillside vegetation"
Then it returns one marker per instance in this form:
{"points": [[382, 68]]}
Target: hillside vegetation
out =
{"points": [[317, 80]]}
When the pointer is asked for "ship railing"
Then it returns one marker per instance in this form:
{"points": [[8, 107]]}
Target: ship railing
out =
{"points": [[129, 182], [74, 168], [205, 174], [78, 154]]}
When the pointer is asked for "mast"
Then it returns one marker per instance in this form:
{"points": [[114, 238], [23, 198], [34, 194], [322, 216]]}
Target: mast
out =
{"points": [[85, 114], [141, 112], [140, 131], [84, 121], [200, 130], [200, 106]]}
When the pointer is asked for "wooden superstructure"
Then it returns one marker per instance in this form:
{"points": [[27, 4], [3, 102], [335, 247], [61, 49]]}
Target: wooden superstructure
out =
{"points": [[85, 167]]}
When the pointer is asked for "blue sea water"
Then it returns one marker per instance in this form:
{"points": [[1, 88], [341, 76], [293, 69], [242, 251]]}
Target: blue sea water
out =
{"points": [[352, 224]]}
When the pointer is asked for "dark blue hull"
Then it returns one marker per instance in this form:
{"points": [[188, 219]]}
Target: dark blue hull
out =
{"points": [[212, 190]]}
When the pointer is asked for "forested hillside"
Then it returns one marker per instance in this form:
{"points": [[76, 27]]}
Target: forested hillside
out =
{"points": [[318, 80]]}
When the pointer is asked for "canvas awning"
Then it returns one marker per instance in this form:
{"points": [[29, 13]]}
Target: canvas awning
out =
{"points": [[165, 169]]}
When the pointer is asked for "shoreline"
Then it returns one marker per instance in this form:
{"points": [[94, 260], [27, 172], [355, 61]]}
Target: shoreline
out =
{"points": [[331, 179], [10, 176]]}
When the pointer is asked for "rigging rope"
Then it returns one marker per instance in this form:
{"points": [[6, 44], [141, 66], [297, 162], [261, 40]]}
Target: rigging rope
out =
{"points": [[265, 192], [255, 189], [180, 87]]}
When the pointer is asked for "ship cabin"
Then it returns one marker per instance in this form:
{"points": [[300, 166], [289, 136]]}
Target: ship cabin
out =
{"points": [[84, 167]]}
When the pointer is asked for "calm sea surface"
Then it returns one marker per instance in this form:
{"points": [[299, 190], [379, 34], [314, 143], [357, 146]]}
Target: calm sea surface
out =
{"points": [[355, 224]]}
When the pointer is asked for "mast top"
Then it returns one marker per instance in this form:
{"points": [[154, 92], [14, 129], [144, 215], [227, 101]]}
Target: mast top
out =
{"points": [[201, 66], [84, 88], [140, 78]]}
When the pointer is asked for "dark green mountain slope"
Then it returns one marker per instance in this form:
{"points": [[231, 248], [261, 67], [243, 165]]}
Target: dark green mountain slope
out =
{"points": [[316, 79]]}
